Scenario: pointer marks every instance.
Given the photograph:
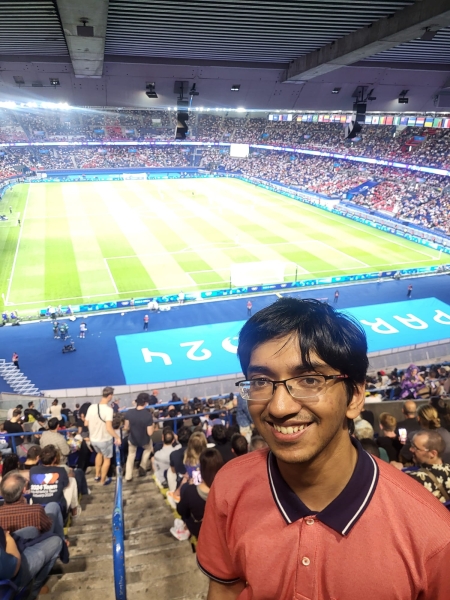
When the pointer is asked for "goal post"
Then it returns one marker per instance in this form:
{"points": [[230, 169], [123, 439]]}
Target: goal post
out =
{"points": [[262, 272]]}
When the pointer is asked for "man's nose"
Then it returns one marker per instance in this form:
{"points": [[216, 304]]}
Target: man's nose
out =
{"points": [[282, 403]]}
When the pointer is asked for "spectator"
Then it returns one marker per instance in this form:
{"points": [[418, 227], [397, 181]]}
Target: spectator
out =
{"points": [[177, 466], [11, 411], [219, 437], [389, 440], [66, 412], [16, 513], [239, 445], [410, 423], [243, 417], [257, 443], [31, 414], [139, 423], [161, 459], [55, 410], [428, 449], [191, 506], [305, 366], [11, 463], [411, 382], [76, 412], [370, 446], [52, 437], [33, 457], [99, 419], [430, 421], [32, 565], [50, 482], [14, 426]]}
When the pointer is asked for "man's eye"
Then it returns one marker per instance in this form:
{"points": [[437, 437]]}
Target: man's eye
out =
{"points": [[311, 381], [259, 382]]}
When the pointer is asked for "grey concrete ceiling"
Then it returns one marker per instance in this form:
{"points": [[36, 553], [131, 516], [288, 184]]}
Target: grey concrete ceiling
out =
{"points": [[261, 33]]}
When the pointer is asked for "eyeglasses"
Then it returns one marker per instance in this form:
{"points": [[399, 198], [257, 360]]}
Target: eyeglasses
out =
{"points": [[305, 386], [420, 449]]}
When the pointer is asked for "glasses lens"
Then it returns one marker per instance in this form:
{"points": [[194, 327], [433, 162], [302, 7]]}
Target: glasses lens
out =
{"points": [[306, 387], [256, 389]]}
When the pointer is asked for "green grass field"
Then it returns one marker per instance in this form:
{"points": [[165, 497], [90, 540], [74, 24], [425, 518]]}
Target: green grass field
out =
{"points": [[92, 242]]}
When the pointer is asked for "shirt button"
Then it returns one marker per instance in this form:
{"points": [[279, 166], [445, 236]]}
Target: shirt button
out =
{"points": [[310, 521], [305, 561]]}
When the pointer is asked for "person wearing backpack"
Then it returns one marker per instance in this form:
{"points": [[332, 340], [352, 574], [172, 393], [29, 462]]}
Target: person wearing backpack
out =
{"points": [[99, 419]]}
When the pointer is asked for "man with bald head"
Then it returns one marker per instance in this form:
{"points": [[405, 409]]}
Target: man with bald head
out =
{"points": [[16, 514], [410, 422]]}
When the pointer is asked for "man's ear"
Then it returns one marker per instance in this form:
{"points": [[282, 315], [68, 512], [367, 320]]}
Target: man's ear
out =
{"points": [[356, 403]]}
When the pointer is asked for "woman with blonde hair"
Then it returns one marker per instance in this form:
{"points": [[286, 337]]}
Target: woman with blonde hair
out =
{"points": [[429, 420], [196, 445]]}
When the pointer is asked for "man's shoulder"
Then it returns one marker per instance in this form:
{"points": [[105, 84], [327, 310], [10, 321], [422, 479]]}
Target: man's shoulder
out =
{"points": [[243, 470], [411, 498]]}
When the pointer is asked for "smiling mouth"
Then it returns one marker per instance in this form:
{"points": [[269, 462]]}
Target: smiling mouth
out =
{"points": [[291, 429]]}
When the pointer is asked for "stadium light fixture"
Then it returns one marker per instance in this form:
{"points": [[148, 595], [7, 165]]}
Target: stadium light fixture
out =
{"points": [[402, 99], [336, 90], [235, 87], [193, 90], [241, 109], [150, 90], [54, 81]]}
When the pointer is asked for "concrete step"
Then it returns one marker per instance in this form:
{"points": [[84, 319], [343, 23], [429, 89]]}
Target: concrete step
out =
{"points": [[143, 582]]}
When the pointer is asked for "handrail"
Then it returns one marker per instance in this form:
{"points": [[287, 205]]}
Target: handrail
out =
{"points": [[32, 433], [118, 534]]}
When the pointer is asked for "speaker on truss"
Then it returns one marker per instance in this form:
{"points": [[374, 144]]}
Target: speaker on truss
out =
{"points": [[182, 120]]}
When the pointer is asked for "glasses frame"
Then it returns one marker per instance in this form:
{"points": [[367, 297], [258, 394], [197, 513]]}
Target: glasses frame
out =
{"points": [[284, 382], [419, 449]]}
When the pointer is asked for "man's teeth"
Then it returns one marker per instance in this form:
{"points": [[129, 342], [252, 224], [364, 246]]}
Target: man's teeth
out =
{"points": [[290, 429]]}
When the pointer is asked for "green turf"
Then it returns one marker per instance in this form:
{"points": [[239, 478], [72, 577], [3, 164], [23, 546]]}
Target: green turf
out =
{"points": [[98, 241]]}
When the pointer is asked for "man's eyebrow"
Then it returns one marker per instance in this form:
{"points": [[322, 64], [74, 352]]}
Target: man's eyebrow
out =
{"points": [[266, 370]]}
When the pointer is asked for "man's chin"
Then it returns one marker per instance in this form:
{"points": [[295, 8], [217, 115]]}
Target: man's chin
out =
{"points": [[293, 456]]}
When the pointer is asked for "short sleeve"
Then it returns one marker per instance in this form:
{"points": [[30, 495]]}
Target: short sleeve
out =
{"points": [[213, 554], [149, 420]]}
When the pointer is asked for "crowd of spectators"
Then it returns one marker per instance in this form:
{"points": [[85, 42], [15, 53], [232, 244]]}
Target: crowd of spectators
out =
{"points": [[186, 442], [422, 146], [419, 198]]}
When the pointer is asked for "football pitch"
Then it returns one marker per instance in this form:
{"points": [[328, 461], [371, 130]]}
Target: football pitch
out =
{"points": [[97, 241]]}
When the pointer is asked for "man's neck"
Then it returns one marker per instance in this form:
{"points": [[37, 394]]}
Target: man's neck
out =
{"points": [[140, 407], [318, 482], [437, 461], [390, 434], [104, 401]]}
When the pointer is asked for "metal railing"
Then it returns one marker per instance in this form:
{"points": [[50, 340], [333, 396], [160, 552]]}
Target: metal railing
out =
{"points": [[118, 534]]}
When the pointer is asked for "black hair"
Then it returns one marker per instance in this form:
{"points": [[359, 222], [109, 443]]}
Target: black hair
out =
{"points": [[184, 433], [219, 434], [53, 423], [335, 337], [142, 399], [370, 446], [239, 444], [196, 421]]}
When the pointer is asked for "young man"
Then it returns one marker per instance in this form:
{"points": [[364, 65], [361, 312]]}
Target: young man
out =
{"points": [[139, 423], [302, 519], [101, 434]]}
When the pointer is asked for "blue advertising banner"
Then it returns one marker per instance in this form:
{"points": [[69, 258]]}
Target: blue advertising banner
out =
{"points": [[210, 350]]}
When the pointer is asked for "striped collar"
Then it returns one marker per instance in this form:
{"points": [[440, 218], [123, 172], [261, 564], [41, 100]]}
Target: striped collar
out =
{"points": [[345, 510]]}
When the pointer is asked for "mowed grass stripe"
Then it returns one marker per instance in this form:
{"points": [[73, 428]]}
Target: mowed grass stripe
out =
{"points": [[92, 270], [61, 273], [163, 268], [129, 274]]}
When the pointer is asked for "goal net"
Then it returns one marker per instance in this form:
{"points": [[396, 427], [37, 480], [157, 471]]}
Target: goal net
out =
{"points": [[263, 272]]}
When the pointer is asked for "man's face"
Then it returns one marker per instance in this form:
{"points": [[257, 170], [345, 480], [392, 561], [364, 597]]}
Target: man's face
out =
{"points": [[419, 450], [324, 416]]}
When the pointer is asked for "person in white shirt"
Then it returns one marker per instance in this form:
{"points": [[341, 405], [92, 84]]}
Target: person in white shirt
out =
{"points": [[55, 410], [99, 419], [161, 459]]}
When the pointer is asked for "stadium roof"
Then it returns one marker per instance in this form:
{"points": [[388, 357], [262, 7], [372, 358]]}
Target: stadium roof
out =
{"points": [[301, 40]]}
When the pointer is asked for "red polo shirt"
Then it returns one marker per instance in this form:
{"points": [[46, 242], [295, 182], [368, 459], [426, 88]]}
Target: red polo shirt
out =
{"points": [[385, 537]]}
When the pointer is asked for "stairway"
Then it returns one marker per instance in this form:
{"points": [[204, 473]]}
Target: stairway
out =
{"points": [[158, 567], [16, 379]]}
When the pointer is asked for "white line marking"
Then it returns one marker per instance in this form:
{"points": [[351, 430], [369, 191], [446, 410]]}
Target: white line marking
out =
{"points": [[17, 247], [111, 276], [333, 249]]}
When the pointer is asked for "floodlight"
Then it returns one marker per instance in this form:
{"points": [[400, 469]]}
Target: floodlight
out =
{"points": [[336, 90], [54, 81], [235, 87], [150, 90]]}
